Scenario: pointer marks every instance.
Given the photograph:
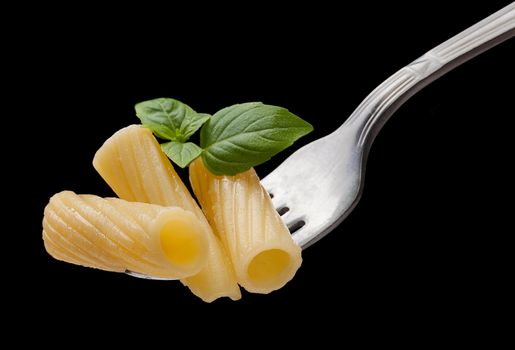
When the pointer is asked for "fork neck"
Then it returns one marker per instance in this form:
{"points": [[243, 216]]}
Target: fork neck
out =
{"points": [[367, 120]]}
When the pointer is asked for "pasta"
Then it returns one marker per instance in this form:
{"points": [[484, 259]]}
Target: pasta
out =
{"points": [[115, 235], [132, 163], [264, 255]]}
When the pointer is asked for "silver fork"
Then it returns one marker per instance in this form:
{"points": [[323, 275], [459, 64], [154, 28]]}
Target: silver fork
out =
{"points": [[321, 183]]}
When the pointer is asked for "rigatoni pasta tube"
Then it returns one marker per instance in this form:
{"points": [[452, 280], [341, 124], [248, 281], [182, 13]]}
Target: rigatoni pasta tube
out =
{"points": [[132, 163], [115, 235], [263, 253]]}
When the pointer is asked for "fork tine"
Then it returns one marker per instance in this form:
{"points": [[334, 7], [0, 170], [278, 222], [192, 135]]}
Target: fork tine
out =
{"points": [[296, 226], [287, 218]]}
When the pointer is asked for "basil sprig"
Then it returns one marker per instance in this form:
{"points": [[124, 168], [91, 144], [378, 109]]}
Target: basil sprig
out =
{"points": [[232, 141]]}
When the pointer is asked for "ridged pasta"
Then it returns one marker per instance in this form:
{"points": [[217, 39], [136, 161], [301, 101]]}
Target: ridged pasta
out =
{"points": [[263, 253], [115, 235], [132, 163]]}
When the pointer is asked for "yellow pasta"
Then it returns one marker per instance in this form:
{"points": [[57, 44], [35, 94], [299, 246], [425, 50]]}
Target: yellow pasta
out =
{"points": [[115, 235], [132, 163], [263, 253]]}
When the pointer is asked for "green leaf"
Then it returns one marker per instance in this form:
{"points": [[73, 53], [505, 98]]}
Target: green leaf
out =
{"points": [[170, 119], [181, 154], [191, 124], [245, 135]]}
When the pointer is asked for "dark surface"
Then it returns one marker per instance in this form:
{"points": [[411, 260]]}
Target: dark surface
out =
{"points": [[427, 239]]}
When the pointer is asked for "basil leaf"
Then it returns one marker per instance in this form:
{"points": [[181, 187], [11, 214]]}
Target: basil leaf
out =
{"points": [[192, 123], [181, 153], [245, 135], [170, 119]]}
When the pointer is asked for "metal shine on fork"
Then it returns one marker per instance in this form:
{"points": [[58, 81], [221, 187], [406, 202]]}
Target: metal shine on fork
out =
{"points": [[319, 185]]}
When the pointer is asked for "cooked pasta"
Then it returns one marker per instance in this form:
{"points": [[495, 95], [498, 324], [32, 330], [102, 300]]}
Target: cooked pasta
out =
{"points": [[132, 163], [264, 255], [115, 235]]}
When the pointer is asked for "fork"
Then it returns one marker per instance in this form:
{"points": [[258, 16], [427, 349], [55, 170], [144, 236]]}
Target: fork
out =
{"points": [[320, 184]]}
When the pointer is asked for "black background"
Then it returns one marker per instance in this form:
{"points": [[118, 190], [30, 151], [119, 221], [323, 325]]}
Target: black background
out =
{"points": [[427, 240]]}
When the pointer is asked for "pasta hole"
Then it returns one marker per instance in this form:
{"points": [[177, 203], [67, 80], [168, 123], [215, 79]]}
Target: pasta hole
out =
{"points": [[283, 210], [296, 226], [269, 266], [180, 244], [271, 194]]}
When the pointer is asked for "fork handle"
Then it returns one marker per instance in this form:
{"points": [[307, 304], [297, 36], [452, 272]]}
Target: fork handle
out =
{"points": [[377, 107]]}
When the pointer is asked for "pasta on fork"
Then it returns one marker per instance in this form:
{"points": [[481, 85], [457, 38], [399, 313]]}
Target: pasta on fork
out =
{"points": [[115, 235], [262, 250], [132, 163], [156, 229]]}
